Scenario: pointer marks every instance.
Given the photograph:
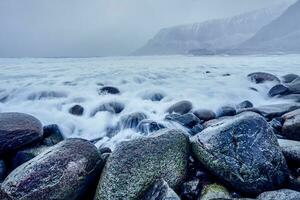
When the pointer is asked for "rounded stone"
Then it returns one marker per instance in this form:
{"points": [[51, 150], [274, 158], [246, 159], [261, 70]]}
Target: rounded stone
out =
{"points": [[109, 90], [76, 110], [181, 107], [18, 130], [204, 114], [261, 77]]}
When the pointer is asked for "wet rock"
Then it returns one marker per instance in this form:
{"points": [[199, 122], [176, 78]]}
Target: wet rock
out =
{"points": [[105, 150], [293, 97], [148, 126], [291, 151], [155, 96], [24, 155], [276, 124], [190, 190], [18, 130], [244, 104], [160, 191], [188, 120], [136, 165], [242, 151], [261, 77], [226, 111], [291, 126], [108, 90], [52, 135], [132, 120], [196, 129], [274, 110], [289, 78], [111, 107], [65, 171], [2, 171], [76, 110], [279, 90], [181, 107], [214, 191], [43, 95], [204, 114], [283, 194], [294, 86]]}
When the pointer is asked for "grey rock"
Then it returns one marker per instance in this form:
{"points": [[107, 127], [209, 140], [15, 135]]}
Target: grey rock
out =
{"points": [[148, 126], [226, 111], [294, 86], [181, 107], [111, 107], [242, 151], [289, 78], [188, 120], [204, 114], [131, 120], [65, 171], [214, 191], [52, 135], [279, 90], [244, 104], [291, 151], [76, 110], [135, 165], [291, 126], [18, 130], [160, 191], [261, 77], [283, 194], [108, 90]]}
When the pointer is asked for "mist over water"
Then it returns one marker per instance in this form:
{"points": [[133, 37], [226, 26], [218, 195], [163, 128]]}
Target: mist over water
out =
{"points": [[47, 88]]}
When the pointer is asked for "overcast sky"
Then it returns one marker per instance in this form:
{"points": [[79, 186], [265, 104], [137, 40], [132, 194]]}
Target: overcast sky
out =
{"points": [[80, 28]]}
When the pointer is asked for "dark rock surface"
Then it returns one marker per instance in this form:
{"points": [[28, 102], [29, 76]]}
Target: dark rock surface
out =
{"points": [[204, 114], [160, 191], [18, 130], [76, 110], [111, 107], [148, 126], [261, 77], [289, 78], [3, 171], [181, 107], [65, 171], [279, 90], [108, 90], [135, 165], [291, 126], [244, 104], [131, 120], [188, 120], [52, 135], [291, 151], [242, 151], [226, 111]]}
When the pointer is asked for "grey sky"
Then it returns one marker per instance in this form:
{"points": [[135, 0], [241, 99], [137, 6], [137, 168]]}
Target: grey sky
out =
{"points": [[56, 28]]}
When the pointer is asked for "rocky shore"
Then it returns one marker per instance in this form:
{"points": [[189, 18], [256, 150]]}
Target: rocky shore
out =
{"points": [[237, 153]]}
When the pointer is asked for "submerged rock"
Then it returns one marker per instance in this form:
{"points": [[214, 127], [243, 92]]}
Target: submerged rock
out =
{"points": [[291, 151], [261, 77], [204, 114], [108, 90], [155, 96], [42, 95], [294, 86], [135, 165], [244, 104], [65, 171], [111, 107], [242, 151], [18, 130], [132, 120], [160, 191], [226, 111], [76, 110], [148, 126], [52, 135], [181, 107], [279, 90], [214, 191], [289, 78]]}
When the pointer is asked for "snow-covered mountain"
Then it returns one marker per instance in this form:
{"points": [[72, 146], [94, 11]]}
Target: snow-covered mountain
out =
{"points": [[211, 35], [281, 35]]}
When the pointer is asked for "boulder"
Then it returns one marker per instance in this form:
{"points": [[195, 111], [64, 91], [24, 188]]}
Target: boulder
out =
{"points": [[188, 120], [148, 126], [52, 135], [111, 107], [244, 104], [214, 191], [18, 130], [283, 194], [76, 110], [243, 152], [291, 126], [181, 107], [65, 171], [261, 77], [135, 165], [294, 86], [291, 151], [279, 90], [276, 124], [289, 78], [226, 111], [204, 114], [108, 90], [160, 191]]}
